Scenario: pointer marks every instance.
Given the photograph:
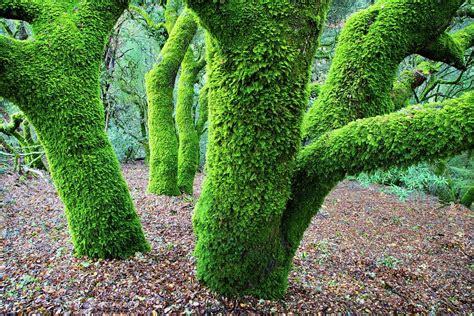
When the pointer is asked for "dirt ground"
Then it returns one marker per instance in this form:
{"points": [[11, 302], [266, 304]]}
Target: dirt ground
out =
{"points": [[365, 252]]}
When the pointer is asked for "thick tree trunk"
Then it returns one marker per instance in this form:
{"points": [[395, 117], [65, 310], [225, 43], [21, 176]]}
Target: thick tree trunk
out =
{"points": [[55, 81], [257, 95]]}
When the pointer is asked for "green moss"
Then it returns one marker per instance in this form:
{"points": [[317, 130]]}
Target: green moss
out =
{"points": [[203, 110], [255, 206], [54, 79], [188, 154], [261, 52], [371, 46], [160, 82]]}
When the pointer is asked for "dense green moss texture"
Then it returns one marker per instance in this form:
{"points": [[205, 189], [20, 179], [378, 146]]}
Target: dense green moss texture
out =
{"points": [[188, 154], [54, 79], [259, 55], [372, 44], [262, 189], [160, 82]]}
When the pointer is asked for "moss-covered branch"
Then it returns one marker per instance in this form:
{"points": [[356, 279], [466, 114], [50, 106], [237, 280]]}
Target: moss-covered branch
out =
{"points": [[445, 49], [449, 48], [172, 13], [403, 138], [414, 134], [26, 10], [156, 27], [160, 82], [371, 46]]}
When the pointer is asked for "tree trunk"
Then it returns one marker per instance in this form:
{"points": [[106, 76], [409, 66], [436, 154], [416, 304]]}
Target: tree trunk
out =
{"points": [[257, 95], [55, 81], [160, 82], [188, 153]]}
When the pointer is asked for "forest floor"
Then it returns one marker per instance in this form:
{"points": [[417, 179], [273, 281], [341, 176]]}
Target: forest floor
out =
{"points": [[365, 252]]}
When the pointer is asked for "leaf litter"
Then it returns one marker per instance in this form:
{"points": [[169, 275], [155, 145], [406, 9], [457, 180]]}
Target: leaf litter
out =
{"points": [[365, 252]]}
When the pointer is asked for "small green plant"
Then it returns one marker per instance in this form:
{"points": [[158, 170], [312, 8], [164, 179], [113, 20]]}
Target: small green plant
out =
{"points": [[26, 280], [389, 262], [324, 252]]}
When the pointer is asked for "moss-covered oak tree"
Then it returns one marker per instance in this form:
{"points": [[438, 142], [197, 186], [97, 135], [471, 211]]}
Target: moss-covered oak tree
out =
{"points": [[262, 187], [160, 82], [54, 79], [188, 133]]}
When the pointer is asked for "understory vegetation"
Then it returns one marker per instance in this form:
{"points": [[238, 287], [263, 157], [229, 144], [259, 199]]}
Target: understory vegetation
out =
{"points": [[451, 180]]}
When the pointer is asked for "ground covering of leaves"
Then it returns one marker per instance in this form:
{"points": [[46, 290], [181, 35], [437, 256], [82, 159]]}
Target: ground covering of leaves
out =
{"points": [[365, 252]]}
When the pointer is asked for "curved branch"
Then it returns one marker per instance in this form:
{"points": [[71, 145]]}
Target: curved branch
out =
{"points": [[399, 139], [148, 20], [449, 48], [445, 49], [371, 47]]}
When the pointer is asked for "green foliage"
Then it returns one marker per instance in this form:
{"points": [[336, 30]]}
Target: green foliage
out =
{"points": [[389, 262], [450, 180], [54, 79], [160, 82]]}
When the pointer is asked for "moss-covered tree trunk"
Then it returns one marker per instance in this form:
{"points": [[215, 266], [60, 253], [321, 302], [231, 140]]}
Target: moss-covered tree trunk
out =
{"points": [[188, 153], [54, 79], [261, 190], [160, 82], [261, 54]]}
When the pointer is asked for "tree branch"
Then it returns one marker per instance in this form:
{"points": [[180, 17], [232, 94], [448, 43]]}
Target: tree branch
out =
{"points": [[136, 10], [371, 46], [26, 10], [399, 139], [449, 48], [445, 49]]}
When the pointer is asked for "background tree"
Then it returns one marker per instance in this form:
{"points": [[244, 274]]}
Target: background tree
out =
{"points": [[160, 83], [261, 189], [54, 79], [174, 139], [188, 131]]}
